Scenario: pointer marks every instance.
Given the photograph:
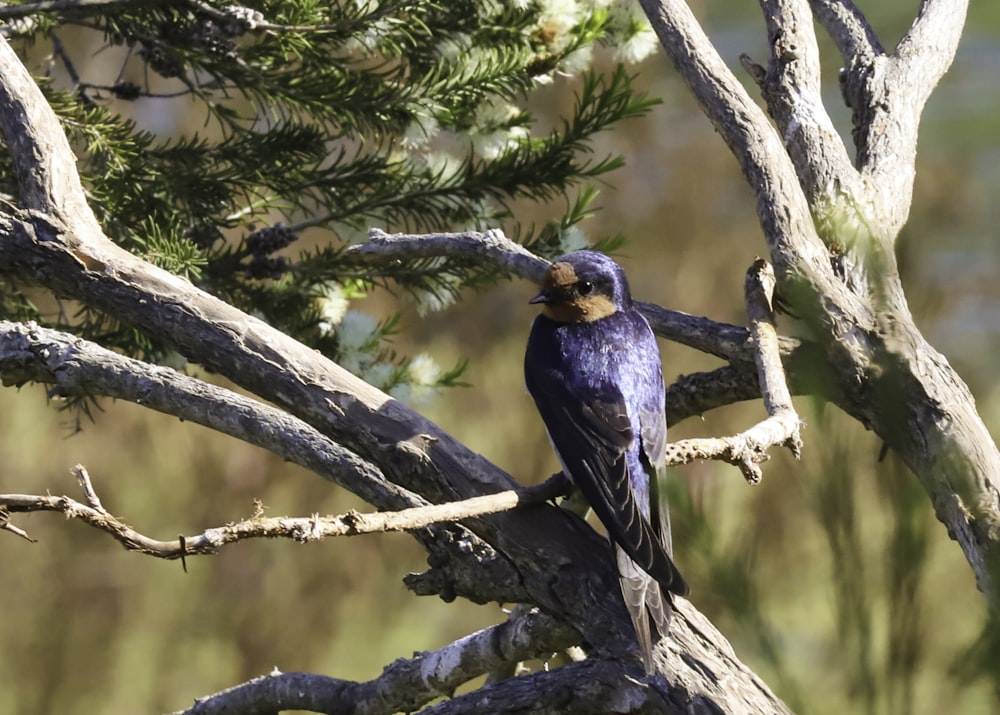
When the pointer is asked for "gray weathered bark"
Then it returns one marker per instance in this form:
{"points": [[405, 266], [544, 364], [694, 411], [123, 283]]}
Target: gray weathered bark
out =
{"points": [[831, 224]]}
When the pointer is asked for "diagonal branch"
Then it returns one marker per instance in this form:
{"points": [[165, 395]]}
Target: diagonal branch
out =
{"points": [[848, 28], [73, 366], [405, 684]]}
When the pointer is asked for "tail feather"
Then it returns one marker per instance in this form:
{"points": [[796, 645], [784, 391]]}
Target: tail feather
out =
{"points": [[644, 599]]}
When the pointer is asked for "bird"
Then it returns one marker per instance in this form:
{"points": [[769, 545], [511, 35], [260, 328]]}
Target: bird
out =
{"points": [[593, 368]]}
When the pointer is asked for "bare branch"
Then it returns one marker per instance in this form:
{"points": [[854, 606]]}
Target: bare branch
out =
{"points": [[590, 687], [759, 291], [748, 449], [926, 52], [5, 525], [888, 94], [404, 685], [89, 493], [848, 28], [792, 89], [39, 148], [301, 529], [697, 393], [492, 246], [80, 367]]}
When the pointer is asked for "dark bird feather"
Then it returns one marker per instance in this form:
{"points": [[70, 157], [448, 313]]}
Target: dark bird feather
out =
{"points": [[593, 368]]}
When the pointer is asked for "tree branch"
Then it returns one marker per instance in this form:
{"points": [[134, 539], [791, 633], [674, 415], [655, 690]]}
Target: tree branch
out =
{"points": [[73, 366], [785, 423], [491, 246], [846, 287], [301, 529], [406, 684], [725, 341], [792, 89], [700, 392], [848, 28], [5, 525], [894, 90], [748, 449]]}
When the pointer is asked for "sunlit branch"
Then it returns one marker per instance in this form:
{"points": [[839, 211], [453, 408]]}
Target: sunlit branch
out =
{"points": [[301, 529], [848, 28], [30, 353], [492, 246], [748, 449], [404, 685]]}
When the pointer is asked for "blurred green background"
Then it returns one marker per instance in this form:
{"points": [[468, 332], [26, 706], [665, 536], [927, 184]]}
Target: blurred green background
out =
{"points": [[832, 578]]}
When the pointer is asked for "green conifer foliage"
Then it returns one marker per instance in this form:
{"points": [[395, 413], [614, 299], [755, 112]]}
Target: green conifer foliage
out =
{"points": [[320, 120]]}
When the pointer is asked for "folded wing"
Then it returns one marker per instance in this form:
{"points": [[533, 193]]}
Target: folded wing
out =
{"points": [[592, 437]]}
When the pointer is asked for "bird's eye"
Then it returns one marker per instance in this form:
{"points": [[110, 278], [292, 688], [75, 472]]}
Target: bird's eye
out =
{"points": [[585, 288]]}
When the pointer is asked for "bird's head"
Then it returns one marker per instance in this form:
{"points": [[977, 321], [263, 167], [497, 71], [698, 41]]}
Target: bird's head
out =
{"points": [[583, 286]]}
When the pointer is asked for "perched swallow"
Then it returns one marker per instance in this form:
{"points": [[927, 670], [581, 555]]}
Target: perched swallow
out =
{"points": [[593, 368]]}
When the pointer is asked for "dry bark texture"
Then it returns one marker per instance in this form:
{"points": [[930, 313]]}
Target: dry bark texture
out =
{"points": [[830, 222]]}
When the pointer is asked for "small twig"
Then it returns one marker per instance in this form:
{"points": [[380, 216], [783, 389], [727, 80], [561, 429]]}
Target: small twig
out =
{"points": [[83, 479], [759, 291], [302, 529], [60, 52], [5, 525], [748, 449]]}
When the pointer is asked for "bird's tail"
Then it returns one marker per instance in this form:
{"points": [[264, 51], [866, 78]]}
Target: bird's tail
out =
{"points": [[644, 600]]}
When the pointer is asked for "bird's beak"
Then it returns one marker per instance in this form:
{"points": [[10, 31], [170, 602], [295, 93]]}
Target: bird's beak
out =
{"points": [[542, 297]]}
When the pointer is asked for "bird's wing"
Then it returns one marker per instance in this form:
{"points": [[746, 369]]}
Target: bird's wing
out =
{"points": [[653, 433], [592, 435]]}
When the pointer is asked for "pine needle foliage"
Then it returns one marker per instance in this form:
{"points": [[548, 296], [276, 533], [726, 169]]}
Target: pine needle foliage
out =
{"points": [[313, 121]]}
